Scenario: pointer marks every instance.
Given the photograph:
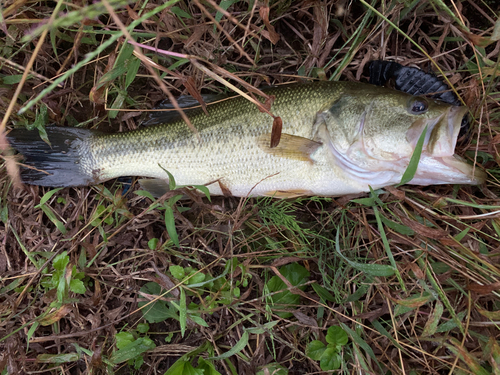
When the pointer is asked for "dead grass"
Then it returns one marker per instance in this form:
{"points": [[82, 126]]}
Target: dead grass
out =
{"points": [[436, 313]]}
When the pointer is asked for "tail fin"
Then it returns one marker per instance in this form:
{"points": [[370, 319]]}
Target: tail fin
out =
{"points": [[58, 165]]}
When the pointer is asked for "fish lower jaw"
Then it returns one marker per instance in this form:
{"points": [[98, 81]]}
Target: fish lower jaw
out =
{"points": [[431, 171], [446, 170]]}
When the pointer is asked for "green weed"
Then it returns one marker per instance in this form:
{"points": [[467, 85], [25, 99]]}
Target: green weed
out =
{"points": [[329, 354], [130, 347]]}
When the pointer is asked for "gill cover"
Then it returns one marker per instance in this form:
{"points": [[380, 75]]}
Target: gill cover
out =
{"points": [[348, 150]]}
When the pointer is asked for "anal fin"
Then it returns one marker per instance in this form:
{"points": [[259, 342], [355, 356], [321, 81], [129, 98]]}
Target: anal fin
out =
{"points": [[293, 193], [156, 186]]}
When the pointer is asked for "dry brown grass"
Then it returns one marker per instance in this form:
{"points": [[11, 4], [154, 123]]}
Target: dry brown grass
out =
{"points": [[440, 317]]}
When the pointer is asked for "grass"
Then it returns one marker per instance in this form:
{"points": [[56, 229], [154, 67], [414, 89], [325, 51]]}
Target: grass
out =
{"points": [[106, 279]]}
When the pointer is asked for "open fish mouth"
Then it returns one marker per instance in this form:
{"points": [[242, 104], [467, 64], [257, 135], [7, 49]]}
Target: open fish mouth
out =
{"points": [[438, 162]]}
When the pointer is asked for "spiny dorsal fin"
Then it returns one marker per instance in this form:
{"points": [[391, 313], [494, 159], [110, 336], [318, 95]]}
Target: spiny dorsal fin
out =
{"points": [[290, 146], [165, 111]]}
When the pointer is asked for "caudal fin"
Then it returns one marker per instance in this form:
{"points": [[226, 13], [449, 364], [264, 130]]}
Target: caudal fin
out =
{"points": [[57, 165]]}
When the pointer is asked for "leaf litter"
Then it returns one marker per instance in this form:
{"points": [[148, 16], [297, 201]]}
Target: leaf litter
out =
{"points": [[94, 280]]}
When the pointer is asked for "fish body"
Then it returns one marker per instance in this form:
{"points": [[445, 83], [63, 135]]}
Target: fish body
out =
{"points": [[337, 138]]}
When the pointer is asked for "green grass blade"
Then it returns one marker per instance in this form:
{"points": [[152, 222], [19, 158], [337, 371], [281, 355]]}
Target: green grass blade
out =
{"points": [[388, 248], [370, 269], [242, 342], [380, 328], [182, 311], [170, 225], [92, 55], [361, 343], [439, 291], [415, 159]]}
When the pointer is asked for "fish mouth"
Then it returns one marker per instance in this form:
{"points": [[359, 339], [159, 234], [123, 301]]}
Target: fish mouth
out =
{"points": [[438, 162]]}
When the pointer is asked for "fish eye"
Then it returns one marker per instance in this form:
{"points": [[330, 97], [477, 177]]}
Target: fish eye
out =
{"points": [[417, 106]]}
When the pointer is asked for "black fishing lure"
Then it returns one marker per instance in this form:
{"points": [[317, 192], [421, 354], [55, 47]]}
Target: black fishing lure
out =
{"points": [[414, 81]]}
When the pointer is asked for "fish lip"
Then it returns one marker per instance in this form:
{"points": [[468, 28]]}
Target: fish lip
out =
{"points": [[438, 163], [476, 175], [455, 116], [442, 135], [446, 170]]}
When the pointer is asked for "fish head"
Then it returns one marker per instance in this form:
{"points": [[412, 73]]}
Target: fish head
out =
{"points": [[372, 136]]}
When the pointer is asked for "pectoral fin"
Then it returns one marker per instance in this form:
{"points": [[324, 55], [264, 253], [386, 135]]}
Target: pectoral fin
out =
{"points": [[225, 190], [290, 146]]}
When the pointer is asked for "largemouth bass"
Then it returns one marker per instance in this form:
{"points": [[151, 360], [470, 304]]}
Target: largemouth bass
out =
{"points": [[337, 138]]}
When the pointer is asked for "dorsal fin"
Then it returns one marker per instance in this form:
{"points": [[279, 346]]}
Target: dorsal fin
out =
{"points": [[165, 111]]}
